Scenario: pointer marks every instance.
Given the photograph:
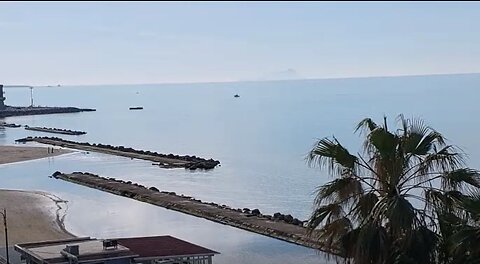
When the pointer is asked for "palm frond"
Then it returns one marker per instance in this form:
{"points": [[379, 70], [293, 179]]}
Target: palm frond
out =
{"points": [[338, 190], [454, 180], [331, 233], [326, 213], [331, 154], [367, 244], [383, 142], [446, 159], [364, 206], [397, 211], [366, 125]]}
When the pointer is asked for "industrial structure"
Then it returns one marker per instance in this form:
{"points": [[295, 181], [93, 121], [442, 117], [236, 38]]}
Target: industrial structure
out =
{"points": [[2, 98], [144, 250]]}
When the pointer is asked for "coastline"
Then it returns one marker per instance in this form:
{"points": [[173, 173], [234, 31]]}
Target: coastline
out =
{"points": [[12, 154], [32, 216]]}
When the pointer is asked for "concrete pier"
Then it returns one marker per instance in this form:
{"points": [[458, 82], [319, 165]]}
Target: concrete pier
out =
{"points": [[221, 214]]}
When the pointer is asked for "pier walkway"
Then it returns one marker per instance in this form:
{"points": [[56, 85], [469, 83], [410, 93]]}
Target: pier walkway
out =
{"points": [[221, 214]]}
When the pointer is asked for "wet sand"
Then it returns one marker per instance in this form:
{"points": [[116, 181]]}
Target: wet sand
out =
{"points": [[9, 154], [31, 216]]}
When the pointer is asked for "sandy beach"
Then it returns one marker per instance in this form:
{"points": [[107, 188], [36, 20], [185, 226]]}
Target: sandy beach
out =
{"points": [[31, 216], [9, 154]]}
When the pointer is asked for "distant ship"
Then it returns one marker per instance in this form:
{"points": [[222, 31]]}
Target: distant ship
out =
{"points": [[236, 96], [136, 108]]}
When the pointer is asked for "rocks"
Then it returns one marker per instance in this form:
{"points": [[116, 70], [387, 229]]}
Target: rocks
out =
{"points": [[56, 130], [297, 222], [288, 219], [256, 212], [277, 225], [188, 162], [20, 111], [56, 174], [24, 140]]}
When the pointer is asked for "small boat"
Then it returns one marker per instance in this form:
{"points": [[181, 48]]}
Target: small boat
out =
{"points": [[236, 96], [136, 108]]}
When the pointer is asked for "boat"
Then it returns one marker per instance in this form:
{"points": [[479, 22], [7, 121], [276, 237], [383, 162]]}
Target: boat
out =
{"points": [[236, 96], [136, 108]]}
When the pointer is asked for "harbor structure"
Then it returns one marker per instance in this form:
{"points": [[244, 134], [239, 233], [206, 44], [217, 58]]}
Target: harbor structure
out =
{"points": [[2, 98]]}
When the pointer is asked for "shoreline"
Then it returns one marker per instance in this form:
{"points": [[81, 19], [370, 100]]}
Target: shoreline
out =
{"points": [[32, 216], [13, 154]]}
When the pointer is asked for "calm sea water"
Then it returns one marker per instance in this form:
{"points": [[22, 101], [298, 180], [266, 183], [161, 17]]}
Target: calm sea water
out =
{"points": [[260, 138]]}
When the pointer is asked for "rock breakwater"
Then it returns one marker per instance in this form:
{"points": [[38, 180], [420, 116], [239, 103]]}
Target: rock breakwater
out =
{"points": [[20, 111], [56, 130], [163, 160], [250, 220]]}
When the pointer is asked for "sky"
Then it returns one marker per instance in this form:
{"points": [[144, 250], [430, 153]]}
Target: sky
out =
{"points": [[53, 43]]}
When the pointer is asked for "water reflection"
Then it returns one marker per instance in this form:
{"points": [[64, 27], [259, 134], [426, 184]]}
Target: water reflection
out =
{"points": [[98, 214]]}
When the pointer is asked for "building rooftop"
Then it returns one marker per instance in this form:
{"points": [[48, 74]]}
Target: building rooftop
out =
{"points": [[163, 246], [89, 249]]}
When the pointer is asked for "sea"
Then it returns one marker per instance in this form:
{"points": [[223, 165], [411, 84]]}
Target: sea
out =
{"points": [[261, 139]]}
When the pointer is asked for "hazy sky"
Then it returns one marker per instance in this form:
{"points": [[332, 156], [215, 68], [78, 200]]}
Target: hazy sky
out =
{"points": [[98, 43]]}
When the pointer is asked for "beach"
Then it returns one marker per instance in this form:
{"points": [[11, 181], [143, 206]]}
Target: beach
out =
{"points": [[11, 154], [31, 216]]}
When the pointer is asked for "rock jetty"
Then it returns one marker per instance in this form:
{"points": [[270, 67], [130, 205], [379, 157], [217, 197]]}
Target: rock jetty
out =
{"points": [[285, 228], [10, 125], [56, 130], [20, 111], [162, 160]]}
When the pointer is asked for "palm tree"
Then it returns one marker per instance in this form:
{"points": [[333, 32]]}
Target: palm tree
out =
{"points": [[460, 234], [385, 204]]}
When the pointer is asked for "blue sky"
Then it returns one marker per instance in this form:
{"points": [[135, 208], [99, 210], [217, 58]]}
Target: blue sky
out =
{"points": [[146, 42]]}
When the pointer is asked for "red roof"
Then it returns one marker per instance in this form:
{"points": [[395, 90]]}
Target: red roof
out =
{"points": [[163, 246]]}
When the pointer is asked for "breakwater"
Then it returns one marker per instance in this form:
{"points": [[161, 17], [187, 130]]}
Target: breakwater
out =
{"points": [[56, 130], [162, 160], [10, 125], [250, 220], [20, 111]]}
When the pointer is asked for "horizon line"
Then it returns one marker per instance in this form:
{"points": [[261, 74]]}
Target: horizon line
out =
{"points": [[254, 81]]}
